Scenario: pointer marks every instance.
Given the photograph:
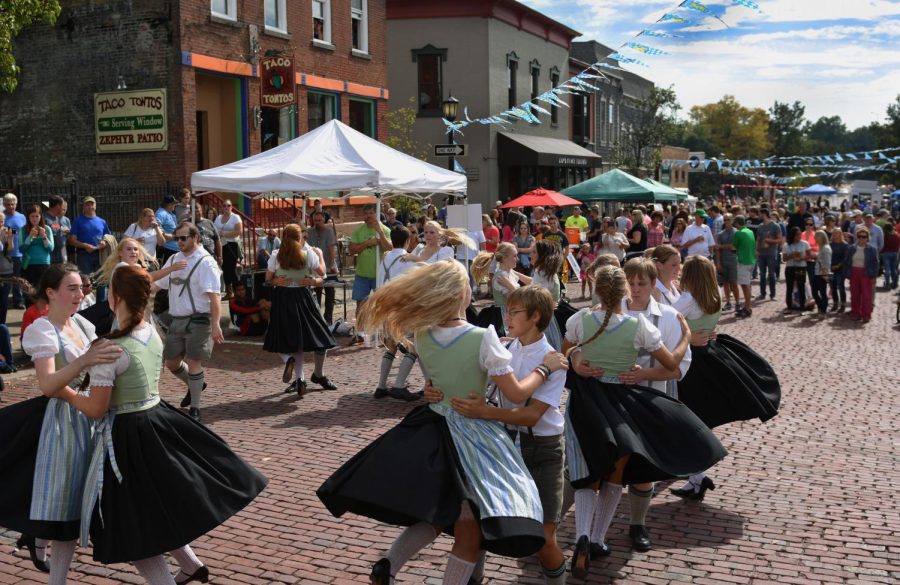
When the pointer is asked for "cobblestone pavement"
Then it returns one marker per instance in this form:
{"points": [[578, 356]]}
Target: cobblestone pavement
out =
{"points": [[810, 497]]}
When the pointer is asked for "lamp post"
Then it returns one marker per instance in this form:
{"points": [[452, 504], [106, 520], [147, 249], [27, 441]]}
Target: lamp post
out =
{"points": [[449, 108]]}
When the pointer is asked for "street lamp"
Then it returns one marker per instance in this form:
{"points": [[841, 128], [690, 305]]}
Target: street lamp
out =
{"points": [[449, 108]]}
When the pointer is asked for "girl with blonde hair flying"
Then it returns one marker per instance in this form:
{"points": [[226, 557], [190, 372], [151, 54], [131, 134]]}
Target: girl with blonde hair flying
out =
{"points": [[428, 473]]}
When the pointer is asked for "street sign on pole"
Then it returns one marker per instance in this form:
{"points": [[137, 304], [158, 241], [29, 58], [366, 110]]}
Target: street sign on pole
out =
{"points": [[449, 150]]}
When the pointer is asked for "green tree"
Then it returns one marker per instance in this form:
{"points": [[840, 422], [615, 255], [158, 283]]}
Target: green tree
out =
{"points": [[825, 135], [14, 16], [650, 122], [893, 125], [786, 123], [400, 123], [731, 129]]}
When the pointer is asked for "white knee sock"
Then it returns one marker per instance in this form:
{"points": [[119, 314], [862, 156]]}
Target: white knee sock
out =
{"points": [[387, 360], [63, 551], [607, 502], [585, 502], [195, 385], [410, 542], [298, 366], [406, 365], [186, 559], [155, 570], [40, 548], [458, 571], [182, 372], [478, 571], [319, 369], [639, 503]]}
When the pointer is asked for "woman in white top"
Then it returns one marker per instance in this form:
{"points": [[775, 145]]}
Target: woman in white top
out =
{"points": [[147, 232], [437, 244], [45, 442], [230, 228], [668, 267]]}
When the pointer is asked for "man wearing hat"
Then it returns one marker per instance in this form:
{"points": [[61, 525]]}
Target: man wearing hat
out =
{"points": [[698, 238], [86, 237], [165, 217]]}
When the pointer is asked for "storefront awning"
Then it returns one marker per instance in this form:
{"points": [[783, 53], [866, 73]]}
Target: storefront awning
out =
{"points": [[522, 150]]}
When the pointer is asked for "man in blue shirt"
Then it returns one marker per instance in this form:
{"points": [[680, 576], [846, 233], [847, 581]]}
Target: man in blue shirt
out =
{"points": [[165, 217], [14, 222], [87, 237]]}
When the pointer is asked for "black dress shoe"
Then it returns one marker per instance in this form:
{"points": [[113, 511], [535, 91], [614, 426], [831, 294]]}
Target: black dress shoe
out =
{"points": [[323, 381], [381, 573], [706, 484], [28, 542], [288, 372], [300, 386], [640, 537], [291, 388], [382, 392], [405, 394], [581, 558], [685, 492], [599, 550], [201, 575], [186, 401], [194, 413]]}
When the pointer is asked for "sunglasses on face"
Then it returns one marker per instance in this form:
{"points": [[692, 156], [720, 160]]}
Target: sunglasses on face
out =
{"points": [[862, 237], [183, 238]]}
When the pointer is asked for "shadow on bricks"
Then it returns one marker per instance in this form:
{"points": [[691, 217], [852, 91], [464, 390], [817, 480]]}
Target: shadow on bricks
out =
{"points": [[349, 411]]}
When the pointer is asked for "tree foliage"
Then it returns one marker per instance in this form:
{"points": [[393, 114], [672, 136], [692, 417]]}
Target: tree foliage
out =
{"points": [[400, 123], [14, 16], [731, 129], [786, 126], [651, 122]]}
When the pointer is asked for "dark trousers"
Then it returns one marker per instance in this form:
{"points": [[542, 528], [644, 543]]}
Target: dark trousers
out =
{"points": [[795, 276], [820, 292], [767, 273], [16, 291], [4, 300], [231, 254], [839, 288], [329, 301], [5, 344]]}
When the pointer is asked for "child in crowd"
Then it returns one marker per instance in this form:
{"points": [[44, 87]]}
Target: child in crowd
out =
{"points": [[249, 315], [585, 258]]}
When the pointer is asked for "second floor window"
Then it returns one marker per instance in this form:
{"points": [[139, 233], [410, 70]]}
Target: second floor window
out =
{"points": [[359, 22], [276, 15], [224, 9], [321, 13], [430, 90], [581, 118], [512, 68], [554, 110]]}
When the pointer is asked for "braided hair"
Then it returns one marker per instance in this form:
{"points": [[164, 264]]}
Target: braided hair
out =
{"points": [[611, 287]]}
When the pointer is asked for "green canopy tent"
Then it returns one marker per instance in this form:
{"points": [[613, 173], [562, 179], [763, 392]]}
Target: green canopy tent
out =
{"points": [[616, 185], [681, 195]]}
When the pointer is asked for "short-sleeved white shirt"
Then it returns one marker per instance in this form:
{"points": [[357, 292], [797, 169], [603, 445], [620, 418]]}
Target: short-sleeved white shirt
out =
{"points": [[391, 266], [443, 253], [477, 237], [150, 238], [667, 297], [687, 305], [227, 226], [106, 374], [205, 280], [41, 339], [509, 275], [524, 359], [647, 336], [670, 330], [312, 263]]}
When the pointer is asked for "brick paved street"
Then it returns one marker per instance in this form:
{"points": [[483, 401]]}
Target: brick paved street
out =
{"points": [[810, 497]]}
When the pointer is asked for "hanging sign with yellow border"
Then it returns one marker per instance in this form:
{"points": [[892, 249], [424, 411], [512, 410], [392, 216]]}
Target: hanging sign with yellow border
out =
{"points": [[131, 121]]}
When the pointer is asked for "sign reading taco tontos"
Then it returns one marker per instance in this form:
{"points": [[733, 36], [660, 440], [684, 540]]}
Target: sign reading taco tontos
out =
{"points": [[131, 121], [277, 82]]}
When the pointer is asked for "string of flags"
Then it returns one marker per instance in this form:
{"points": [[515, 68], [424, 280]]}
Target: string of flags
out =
{"points": [[687, 13], [837, 164]]}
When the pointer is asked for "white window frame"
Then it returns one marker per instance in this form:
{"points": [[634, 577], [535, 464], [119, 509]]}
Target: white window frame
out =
{"points": [[281, 14], [230, 7], [326, 18], [363, 17]]}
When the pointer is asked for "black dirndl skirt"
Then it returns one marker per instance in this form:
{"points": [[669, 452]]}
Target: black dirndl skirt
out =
{"points": [[179, 481], [662, 436], [295, 323], [20, 431], [412, 474], [492, 315], [564, 311], [728, 382]]}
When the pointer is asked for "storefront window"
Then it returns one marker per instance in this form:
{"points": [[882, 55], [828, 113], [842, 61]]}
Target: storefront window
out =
{"points": [[321, 108], [362, 116]]}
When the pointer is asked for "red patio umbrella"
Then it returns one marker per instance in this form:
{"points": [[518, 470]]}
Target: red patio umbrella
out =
{"points": [[541, 197]]}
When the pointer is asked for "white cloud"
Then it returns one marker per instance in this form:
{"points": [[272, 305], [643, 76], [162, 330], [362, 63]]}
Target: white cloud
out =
{"points": [[818, 10]]}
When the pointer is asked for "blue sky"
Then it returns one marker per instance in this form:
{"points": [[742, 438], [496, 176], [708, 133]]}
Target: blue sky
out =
{"points": [[837, 57]]}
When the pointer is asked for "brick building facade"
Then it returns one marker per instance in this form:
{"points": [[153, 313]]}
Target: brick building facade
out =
{"points": [[207, 55]]}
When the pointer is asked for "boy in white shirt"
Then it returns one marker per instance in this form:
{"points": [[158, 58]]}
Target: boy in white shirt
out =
{"points": [[534, 420]]}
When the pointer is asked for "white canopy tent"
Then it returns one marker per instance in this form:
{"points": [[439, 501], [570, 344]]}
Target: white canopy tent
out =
{"points": [[333, 157]]}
